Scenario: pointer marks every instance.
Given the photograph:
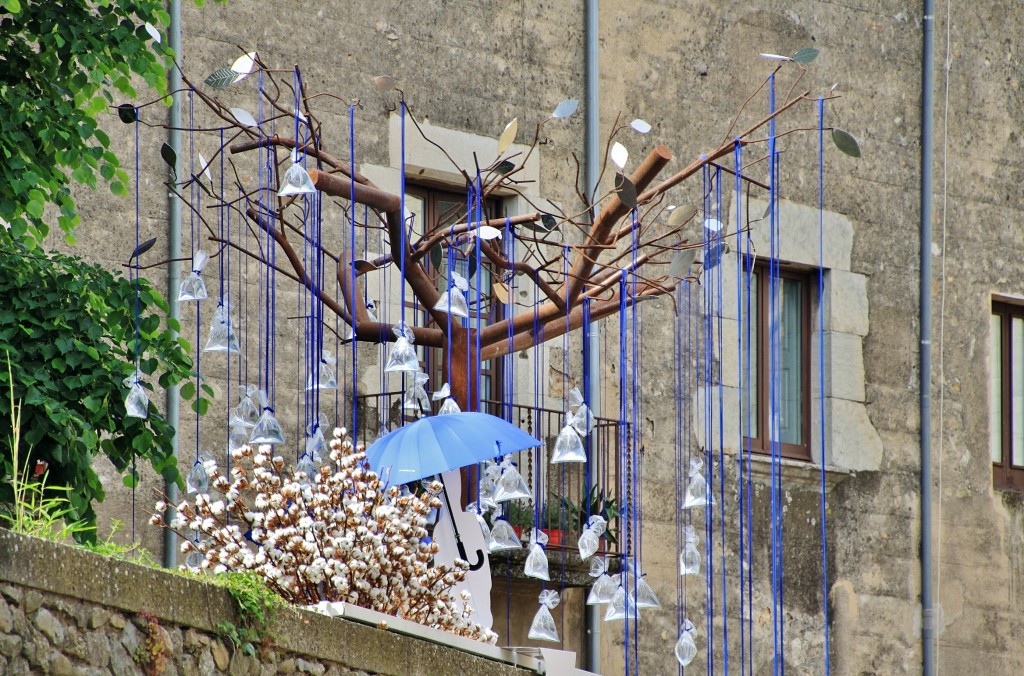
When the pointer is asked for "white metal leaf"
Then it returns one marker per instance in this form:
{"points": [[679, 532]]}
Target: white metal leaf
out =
{"points": [[509, 135], [488, 232], [681, 215], [244, 117], [244, 64], [206, 168], [153, 32], [384, 83], [620, 155], [712, 225], [460, 282], [565, 108], [776, 57], [501, 291], [681, 263], [641, 126]]}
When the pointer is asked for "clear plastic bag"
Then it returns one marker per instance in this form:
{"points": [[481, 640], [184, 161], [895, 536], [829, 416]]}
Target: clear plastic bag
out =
{"points": [[537, 560], [305, 469], [575, 397], [645, 596], [403, 355], [325, 378], [697, 494], [486, 495], [415, 398], [686, 648], [503, 536], [511, 485], [238, 436], [267, 430], [689, 558], [583, 421], [222, 335], [193, 287], [449, 406], [569, 446], [296, 181], [603, 590], [453, 302], [198, 481], [136, 403], [247, 413], [316, 444], [543, 626], [622, 605], [588, 543]]}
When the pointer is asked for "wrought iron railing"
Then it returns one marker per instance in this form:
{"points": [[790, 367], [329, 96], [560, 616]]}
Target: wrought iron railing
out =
{"points": [[568, 493]]}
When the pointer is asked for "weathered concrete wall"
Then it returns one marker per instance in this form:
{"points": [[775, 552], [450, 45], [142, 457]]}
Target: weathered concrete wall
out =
{"points": [[685, 66], [66, 611]]}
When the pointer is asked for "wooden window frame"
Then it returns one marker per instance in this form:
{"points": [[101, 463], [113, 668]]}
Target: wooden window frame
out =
{"points": [[434, 362], [1006, 475], [759, 444]]}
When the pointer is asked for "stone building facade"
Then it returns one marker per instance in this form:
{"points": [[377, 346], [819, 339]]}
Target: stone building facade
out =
{"points": [[686, 66]]}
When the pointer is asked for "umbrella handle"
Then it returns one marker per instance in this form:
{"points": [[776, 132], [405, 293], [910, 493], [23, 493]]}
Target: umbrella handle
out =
{"points": [[479, 556]]}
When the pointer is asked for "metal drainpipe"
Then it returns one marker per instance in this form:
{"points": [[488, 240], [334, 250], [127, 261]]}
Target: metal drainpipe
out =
{"points": [[592, 621], [927, 114], [170, 558]]}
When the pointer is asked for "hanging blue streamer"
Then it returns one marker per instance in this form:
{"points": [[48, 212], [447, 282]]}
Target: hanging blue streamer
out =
{"points": [[821, 370]]}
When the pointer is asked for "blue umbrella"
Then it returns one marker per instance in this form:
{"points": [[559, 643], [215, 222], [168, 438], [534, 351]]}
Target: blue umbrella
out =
{"points": [[440, 443]]}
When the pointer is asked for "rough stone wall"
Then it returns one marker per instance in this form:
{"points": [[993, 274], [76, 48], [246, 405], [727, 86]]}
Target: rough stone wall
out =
{"points": [[685, 66], [66, 611]]}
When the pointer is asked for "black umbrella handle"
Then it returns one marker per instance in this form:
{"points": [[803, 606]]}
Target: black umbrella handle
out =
{"points": [[458, 538], [462, 554]]}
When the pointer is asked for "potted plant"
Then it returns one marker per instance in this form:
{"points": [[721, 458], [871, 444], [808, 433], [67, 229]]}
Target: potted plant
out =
{"points": [[596, 503]]}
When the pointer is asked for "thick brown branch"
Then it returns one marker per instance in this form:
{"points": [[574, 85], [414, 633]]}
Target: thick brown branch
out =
{"points": [[606, 220]]}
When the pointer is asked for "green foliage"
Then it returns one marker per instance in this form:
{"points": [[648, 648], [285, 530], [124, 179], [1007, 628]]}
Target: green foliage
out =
{"points": [[256, 603], [576, 514], [33, 508], [63, 64], [132, 553], [68, 328]]}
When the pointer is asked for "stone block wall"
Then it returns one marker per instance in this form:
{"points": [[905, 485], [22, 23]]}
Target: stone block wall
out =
{"points": [[66, 611], [685, 67]]}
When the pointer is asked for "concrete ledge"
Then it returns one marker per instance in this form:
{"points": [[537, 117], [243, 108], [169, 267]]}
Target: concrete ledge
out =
{"points": [[79, 574]]}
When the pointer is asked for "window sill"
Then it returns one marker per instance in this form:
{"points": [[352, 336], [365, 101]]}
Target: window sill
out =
{"points": [[799, 471]]}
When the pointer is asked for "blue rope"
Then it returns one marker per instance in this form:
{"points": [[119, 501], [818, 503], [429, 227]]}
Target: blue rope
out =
{"points": [[821, 368], [479, 296], [772, 434], [738, 164], [708, 368], [353, 290], [138, 302]]}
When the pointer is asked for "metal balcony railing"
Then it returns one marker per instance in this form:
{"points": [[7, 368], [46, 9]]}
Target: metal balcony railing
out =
{"points": [[567, 496]]}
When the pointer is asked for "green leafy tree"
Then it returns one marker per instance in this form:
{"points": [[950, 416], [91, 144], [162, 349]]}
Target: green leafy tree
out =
{"points": [[61, 64], [69, 328], [69, 331]]}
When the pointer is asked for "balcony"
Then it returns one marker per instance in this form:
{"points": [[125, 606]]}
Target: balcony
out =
{"points": [[567, 499]]}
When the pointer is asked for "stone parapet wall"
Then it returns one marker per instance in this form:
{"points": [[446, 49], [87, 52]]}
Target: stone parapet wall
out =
{"points": [[64, 610]]}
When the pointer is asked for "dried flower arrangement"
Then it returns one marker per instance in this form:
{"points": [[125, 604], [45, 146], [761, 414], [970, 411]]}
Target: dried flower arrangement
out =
{"points": [[341, 535]]}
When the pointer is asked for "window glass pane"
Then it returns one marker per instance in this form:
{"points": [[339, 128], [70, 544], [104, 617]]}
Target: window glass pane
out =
{"points": [[415, 205], [791, 362], [995, 395], [449, 211], [1017, 389], [748, 352]]}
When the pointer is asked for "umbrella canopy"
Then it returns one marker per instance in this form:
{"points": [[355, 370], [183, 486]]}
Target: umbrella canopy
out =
{"points": [[440, 443]]}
